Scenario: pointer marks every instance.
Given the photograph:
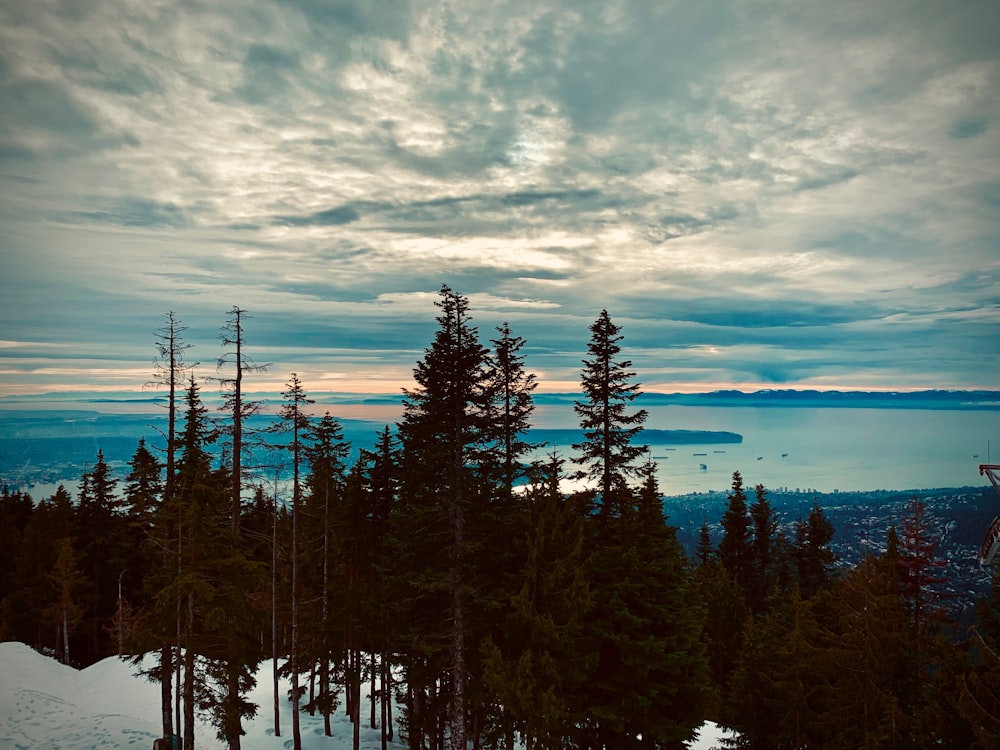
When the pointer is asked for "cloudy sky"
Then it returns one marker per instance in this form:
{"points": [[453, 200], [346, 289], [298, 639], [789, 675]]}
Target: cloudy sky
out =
{"points": [[762, 194]]}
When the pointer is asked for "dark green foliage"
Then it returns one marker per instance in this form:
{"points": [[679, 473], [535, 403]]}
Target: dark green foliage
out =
{"points": [[25, 606], [814, 558], [329, 536], [725, 617], [735, 551], [100, 528], [779, 684], [706, 550], [67, 580], [143, 487], [979, 687], [294, 422], [763, 551], [448, 569], [15, 513], [537, 665], [920, 574], [444, 433], [608, 450], [237, 406], [868, 659], [510, 391]]}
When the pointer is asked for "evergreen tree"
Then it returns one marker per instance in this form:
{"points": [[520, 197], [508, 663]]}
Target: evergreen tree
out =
{"points": [[921, 578], [765, 529], [194, 507], [326, 453], [168, 371], [868, 651], [143, 494], [814, 558], [443, 434], [706, 550], [608, 449], [497, 522], [979, 687], [143, 488], [511, 389], [294, 421], [779, 685], [735, 551], [537, 665], [103, 548], [28, 606], [215, 584], [236, 405], [383, 482], [725, 616], [649, 682], [15, 512], [67, 579]]}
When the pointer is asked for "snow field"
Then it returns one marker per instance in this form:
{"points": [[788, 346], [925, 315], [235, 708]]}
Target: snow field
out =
{"points": [[45, 704]]}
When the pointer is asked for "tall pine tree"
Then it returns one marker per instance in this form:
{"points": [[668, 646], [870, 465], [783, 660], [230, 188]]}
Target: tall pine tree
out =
{"points": [[294, 422], [239, 409], [443, 432], [608, 450]]}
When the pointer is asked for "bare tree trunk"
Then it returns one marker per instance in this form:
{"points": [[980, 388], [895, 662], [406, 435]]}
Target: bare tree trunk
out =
{"points": [[296, 732], [356, 713], [189, 678], [166, 689], [374, 668], [237, 478], [65, 633], [456, 704], [415, 703], [325, 693], [233, 698], [274, 610], [384, 703], [169, 365], [327, 729], [388, 698], [177, 698], [312, 689]]}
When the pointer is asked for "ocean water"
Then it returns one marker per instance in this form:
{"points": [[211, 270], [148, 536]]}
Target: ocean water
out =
{"points": [[823, 449], [807, 448]]}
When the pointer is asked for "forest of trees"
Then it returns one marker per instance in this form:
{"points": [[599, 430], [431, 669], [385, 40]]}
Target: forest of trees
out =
{"points": [[451, 570]]}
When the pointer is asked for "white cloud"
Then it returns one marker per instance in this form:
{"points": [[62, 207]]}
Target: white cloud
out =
{"points": [[548, 161]]}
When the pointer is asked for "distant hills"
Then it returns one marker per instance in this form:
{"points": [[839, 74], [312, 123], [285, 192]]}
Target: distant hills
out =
{"points": [[932, 399], [554, 436], [926, 399]]}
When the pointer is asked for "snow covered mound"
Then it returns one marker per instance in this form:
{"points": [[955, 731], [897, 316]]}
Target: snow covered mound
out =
{"points": [[44, 704]]}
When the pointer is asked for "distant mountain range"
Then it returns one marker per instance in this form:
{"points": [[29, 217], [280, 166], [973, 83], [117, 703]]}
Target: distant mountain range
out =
{"points": [[932, 399], [926, 399]]}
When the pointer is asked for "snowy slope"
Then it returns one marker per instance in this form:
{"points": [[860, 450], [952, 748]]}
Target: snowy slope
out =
{"points": [[44, 704]]}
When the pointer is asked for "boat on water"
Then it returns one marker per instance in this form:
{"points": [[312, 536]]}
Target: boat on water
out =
{"points": [[704, 467], [784, 455], [700, 454]]}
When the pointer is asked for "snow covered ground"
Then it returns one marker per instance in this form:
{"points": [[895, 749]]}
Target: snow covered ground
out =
{"points": [[44, 704]]}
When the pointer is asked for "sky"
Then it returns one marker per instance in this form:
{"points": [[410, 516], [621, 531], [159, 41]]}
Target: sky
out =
{"points": [[761, 194]]}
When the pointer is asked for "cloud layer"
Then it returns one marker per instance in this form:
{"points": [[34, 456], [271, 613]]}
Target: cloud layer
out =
{"points": [[760, 193]]}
